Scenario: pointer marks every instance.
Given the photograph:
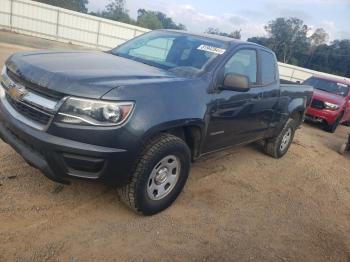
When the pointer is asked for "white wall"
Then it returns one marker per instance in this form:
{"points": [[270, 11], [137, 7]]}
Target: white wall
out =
{"points": [[295, 73], [41, 20], [49, 22]]}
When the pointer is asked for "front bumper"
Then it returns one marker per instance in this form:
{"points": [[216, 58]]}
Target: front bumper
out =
{"points": [[60, 158], [322, 115]]}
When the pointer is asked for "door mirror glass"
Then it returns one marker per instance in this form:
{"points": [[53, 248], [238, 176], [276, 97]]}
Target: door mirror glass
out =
{"points": [[236, 82]]}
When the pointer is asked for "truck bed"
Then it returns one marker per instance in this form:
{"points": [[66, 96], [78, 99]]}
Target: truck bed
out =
{"points": [[297, 90]]}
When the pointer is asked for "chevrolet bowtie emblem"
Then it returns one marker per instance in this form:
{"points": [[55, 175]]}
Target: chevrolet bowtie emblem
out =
{"points": [[16, 92]]}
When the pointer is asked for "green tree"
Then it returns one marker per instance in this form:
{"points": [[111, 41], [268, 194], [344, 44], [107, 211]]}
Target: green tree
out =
{"points": [[75, 5], [333, 58], [319, 37], [213, 31], [287, 37], [156, 20], [116, 10], [149, 20], [236, 34]]}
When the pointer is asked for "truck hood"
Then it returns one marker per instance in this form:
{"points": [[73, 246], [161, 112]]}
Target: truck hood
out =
{"points": [[328, 97], [82, 73]]}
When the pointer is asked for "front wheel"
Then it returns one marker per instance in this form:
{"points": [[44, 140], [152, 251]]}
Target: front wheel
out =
{"points": [[159, 175], [333, 127], [343, 148], [278, 146]]}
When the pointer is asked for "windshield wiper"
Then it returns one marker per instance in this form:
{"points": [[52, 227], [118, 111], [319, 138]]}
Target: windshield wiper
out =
{"points": [[324, 90]]}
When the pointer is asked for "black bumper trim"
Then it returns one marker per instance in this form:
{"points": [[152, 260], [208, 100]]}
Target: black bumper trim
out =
{"points": [[32, 157]]}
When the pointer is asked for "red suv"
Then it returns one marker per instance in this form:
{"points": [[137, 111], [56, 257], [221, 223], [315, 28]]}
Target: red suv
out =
{"points": [[330, 103]]}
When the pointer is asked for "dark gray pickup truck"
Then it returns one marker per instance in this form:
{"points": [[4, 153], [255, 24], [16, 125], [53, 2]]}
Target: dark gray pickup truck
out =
{"points": [[137, 116]]}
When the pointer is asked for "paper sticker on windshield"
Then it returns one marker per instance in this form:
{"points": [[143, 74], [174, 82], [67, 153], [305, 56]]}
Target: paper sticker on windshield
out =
{"points": [[211, 49], [343, 85]]}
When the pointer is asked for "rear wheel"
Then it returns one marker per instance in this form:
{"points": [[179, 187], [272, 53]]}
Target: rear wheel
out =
{"points": [[278, 146], [159, 175]]}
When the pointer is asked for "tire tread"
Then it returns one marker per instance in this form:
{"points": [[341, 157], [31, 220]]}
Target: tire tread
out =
{"points": [[272, 145], [127, 193]]}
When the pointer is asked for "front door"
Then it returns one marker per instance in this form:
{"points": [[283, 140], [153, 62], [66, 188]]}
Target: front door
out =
{"points": [[237, 117]]}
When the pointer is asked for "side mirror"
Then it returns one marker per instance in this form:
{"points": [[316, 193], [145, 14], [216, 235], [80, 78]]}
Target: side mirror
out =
{"points": [[236, 82]]}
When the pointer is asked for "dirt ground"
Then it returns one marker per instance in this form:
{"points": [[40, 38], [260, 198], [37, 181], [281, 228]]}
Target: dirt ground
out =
{"points": [[238, 205]]}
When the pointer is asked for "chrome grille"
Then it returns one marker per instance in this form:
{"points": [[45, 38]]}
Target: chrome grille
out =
{"points": [[26, 105], [30, 112]]}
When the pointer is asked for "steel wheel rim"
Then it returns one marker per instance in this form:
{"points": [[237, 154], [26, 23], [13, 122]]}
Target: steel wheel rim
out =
{"points": [[286, 139], [164, 177]]}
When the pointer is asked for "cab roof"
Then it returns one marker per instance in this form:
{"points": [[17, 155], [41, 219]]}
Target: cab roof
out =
{"points": [[225, 39]]}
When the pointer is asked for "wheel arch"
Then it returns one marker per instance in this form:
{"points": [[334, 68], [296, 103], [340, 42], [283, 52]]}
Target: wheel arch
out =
{"points": [[296, 109], [190, 131], [297, 115]]}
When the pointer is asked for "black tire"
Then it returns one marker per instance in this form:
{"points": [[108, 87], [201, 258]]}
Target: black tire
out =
{"points": [[273, 146], [135, 193], [343, 149], [334, 126]]}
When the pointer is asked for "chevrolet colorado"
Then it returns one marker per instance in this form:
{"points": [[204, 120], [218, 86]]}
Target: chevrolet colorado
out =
{"points": [[137, 116]]}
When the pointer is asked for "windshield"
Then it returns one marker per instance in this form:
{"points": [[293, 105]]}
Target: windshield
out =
{"points": [[173, 51], [328, 86]]}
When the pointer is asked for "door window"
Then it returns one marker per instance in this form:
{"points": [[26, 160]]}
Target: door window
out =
{"points": [[244, 63]]}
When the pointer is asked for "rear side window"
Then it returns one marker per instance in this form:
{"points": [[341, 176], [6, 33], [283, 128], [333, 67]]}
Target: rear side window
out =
{"points": [[268, 68]]}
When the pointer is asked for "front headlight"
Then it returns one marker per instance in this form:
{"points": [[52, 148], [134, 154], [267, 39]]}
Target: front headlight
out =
{"points": [[93, 112], [331, 106]]}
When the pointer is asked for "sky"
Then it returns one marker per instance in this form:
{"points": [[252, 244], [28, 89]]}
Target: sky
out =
{"points": [[250, 16]]}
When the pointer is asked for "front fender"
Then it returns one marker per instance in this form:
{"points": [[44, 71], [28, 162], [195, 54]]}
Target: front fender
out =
{"points": [[157, 129]]}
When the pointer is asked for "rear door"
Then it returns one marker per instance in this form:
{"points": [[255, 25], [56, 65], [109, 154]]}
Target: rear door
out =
{"points": [[270, 88]]}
